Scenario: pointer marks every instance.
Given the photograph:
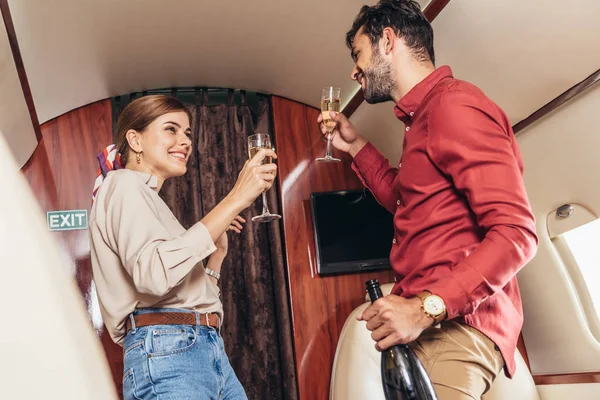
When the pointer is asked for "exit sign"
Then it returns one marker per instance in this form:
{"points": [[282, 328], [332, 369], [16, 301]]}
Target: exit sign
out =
{"points": [[67, 220]]}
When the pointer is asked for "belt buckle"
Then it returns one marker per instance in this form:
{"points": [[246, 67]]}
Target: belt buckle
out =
{"points": [[207, 317]]}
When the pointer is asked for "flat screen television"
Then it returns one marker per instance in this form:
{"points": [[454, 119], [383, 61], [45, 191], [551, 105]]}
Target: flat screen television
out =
{"points": [[353, 233]]}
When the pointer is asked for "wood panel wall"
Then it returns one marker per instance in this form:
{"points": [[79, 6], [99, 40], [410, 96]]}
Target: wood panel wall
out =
{"points": [[320, 306], [61, 173]]}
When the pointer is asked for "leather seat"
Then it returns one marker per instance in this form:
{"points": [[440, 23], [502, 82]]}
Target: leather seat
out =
{"points": [[356, 369], [48, 346]]}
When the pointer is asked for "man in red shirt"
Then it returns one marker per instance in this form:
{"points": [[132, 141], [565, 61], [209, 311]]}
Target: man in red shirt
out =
{"points": [[463, 222]]}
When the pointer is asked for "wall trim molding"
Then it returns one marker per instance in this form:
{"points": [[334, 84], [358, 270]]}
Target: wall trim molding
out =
{"points": [[563, 98], [14, 46], [561, 379]]}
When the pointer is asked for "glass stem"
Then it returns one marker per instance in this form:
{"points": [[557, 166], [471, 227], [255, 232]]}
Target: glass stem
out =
{"points": [[328, 153], [265, 206]]}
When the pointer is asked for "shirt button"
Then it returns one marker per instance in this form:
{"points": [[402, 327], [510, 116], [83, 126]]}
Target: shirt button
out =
{"points": [[412, 113], [394, 241], [407, 128], [398, 202]]}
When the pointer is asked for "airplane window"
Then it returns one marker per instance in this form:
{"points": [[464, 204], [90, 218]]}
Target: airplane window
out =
{"points": [[583, 242]]}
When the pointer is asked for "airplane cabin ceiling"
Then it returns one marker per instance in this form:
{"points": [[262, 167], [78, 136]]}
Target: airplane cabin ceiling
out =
{"points": [[76, 52], [521, 53]]}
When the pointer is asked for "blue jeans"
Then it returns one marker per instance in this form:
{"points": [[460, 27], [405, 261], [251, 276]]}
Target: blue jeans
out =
{"points": [[177, 362]]}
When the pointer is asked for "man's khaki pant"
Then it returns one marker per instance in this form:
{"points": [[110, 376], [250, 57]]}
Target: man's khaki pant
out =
{"points": [[461, 361]]}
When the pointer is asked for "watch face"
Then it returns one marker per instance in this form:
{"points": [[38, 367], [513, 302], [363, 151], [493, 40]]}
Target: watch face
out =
{"points": [[433, 305]]}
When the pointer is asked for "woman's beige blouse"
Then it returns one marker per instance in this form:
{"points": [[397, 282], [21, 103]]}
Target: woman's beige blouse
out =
{"points": [[142, 256]]}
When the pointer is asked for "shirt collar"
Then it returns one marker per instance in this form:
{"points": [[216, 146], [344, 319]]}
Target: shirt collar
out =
{"points": [[408, 104], [149, 179]]}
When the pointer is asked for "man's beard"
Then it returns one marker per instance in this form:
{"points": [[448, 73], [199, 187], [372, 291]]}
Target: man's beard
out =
{"points": [[379, 83]]}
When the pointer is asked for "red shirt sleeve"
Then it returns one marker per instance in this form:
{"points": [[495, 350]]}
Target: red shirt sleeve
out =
{"points": [[377, 174], [471, 141]]}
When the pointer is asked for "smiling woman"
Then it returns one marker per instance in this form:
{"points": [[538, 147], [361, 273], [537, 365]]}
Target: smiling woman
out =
{"points": [[157, 299]]}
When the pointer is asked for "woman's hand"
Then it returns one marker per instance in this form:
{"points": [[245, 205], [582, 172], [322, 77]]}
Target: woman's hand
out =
{"points": [[215, 261], [255, 178], [222, 242]]}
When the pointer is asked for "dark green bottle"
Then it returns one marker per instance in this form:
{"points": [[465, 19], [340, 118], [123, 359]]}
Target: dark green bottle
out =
{"points": [[402, 374]]}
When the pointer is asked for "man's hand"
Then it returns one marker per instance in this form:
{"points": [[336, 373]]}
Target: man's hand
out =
{"points": [[345, 137], [395, 320]]}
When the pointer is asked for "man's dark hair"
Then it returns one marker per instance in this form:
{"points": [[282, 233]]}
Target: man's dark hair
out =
{"points": [[404, 17]]}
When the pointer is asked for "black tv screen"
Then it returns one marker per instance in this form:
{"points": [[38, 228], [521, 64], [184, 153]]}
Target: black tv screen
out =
{"points": [[353, 232]]}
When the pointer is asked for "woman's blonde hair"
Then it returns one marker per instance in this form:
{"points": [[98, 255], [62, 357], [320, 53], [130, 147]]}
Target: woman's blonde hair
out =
{"points": [[139, 114]]}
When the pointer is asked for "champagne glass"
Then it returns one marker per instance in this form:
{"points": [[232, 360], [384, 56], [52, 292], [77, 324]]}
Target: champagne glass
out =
{"points": [[330, 101], [255, 143]]}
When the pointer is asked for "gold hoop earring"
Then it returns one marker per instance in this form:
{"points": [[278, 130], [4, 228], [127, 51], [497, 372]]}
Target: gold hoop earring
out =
{"points": [[138, 157]]}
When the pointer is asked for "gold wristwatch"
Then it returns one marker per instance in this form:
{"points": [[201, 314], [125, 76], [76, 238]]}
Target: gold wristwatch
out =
{"points": [[433, 306]]}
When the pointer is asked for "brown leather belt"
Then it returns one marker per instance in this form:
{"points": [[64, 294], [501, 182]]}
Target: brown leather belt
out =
{"points": [[173, 318]]}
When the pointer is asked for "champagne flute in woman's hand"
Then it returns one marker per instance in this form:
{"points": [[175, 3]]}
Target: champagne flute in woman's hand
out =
{"points": [[255, 144]]}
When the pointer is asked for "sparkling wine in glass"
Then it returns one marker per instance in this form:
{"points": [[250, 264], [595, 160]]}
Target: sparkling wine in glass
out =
{"points": [[330, 101], [255, 143]]}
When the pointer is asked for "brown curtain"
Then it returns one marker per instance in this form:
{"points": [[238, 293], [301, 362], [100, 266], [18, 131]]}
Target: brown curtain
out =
{"points": [[257, 326]]}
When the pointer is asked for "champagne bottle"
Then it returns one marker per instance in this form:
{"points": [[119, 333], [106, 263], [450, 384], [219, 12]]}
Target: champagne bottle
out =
{"points": [[402, 374]]}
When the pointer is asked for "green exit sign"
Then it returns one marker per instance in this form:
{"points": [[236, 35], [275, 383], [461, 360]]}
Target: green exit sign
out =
{"points": [[67, 220]]}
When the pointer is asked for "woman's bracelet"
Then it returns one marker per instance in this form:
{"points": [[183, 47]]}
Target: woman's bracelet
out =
{"points": [[213, 273]]}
